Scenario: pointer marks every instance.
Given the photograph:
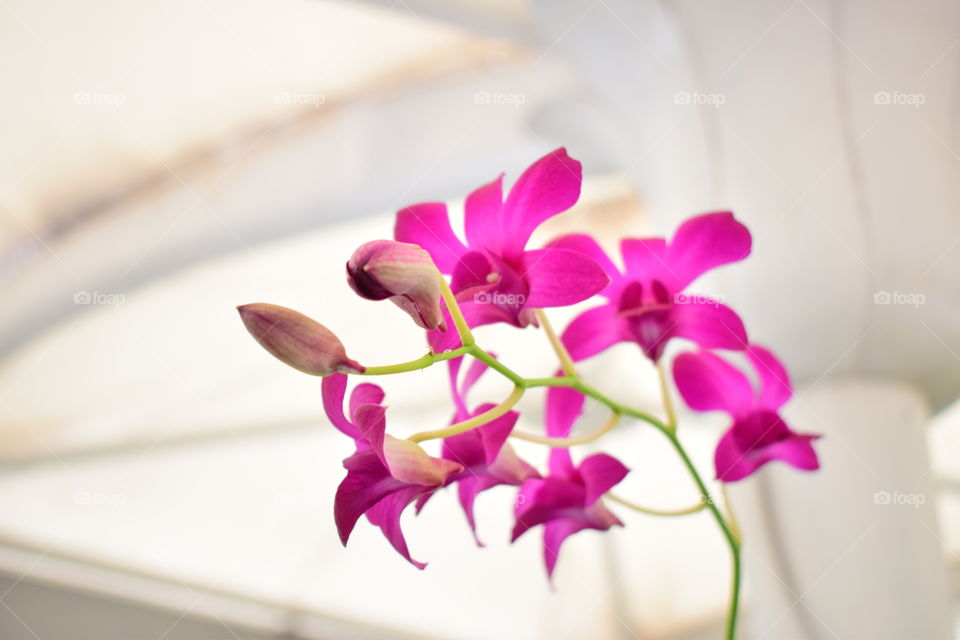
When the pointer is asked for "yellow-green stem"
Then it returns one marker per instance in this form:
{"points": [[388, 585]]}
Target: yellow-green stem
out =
{"points": [[665, 394], [571, 441], [471, 423], [657, 512], [466, 337], [566, 362]]}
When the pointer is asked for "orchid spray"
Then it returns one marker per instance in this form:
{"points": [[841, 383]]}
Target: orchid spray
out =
{"points": [[449, 286]]}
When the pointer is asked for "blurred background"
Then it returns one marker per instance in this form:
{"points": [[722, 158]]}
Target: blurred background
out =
{"points": [[162, 162]]}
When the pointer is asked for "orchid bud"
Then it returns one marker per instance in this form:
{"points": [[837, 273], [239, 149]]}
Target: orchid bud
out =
{"points": [[403, 272], [295, 339]]}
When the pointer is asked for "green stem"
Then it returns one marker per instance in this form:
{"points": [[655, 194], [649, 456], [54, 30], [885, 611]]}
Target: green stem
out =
{"points": [[566, 362], [420, 363], [463, 329], [657, 512], [733, 540]]}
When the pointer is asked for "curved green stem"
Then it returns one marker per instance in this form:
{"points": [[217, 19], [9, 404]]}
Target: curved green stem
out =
{"points": [[571, 441], [665, 394], [566, 362], [420, 363], [474, 422], [657, 512], [463, 329]]}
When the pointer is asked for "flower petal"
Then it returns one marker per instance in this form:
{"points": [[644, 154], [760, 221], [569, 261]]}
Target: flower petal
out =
{"points": [[541, 500], [428, 225], [564, 406], [705, 242], [707, 322], [367, 482], [554, 534], [585, 244], [333, 389], [409, 463], [796, 450], [775, 388], [731, 463], [483, 216], [645, 259], [708, 383], [386, 515], [600, 473], [594, 331], [549, 186], [560, 277], [365, 393]]}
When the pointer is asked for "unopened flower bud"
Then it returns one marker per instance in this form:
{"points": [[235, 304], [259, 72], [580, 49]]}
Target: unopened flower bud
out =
{"points": [[404, 273], [295, 339]]}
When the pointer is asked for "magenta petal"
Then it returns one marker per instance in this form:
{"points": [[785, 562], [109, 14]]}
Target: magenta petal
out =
{"points": [[476, 369], [705, 242], [564, 406], [593, 331], [494, 434], [483, 216], [371, 423], [365, 393], [549, 186], [708, 383], [429, 226], [554, 533], [796, 450], [367, 482], [582, 243], [708, 323], [386, 515], [542, 500], [731, 463], [600, 473], [646, 259], [559, 277], [471, 270], [333, 389], [775, 388]]}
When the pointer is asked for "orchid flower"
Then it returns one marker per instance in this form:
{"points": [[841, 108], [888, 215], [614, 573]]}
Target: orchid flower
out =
{"points": [[758, 434], [385, 474], [495, 278], [567, 500], [646, 303], [487, 458]]}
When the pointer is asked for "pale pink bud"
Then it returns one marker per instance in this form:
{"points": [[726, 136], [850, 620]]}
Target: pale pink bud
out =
{"points": [[295, 339], [404, 273]]}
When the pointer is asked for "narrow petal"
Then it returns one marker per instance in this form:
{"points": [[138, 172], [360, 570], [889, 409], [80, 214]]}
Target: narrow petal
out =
{"points": [[705, 242], [494, 434], [594, 331], [600, 473], [371, 422], [775, 388], [564, 406], [549, 186], [585, 244], [708, 383], [560, 277], [708, 323], [333, 389], [367, 482], [483, 216], [429, 226], [796, 450], [386, 515], [542, 500], [554, 534]]}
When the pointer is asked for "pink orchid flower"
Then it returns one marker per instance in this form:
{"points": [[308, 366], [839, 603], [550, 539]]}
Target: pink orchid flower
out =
{"points": [[759, 434], [487, 458], [494, 276], [568, 500], [646, 303], [385, 474]]}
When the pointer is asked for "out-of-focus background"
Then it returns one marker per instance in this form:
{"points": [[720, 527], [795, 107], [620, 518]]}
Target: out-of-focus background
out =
{"points": [[163, 478]]}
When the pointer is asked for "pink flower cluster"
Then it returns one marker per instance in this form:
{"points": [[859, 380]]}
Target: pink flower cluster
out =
{"points": [[490, 276]]}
